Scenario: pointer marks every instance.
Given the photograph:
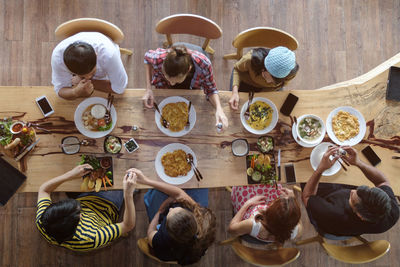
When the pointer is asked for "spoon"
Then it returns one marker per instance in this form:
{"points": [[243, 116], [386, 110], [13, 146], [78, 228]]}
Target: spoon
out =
{"points": [[83, 142], [165, 123], [295, 122], [247, 113], [190, 157], [188, 122]]}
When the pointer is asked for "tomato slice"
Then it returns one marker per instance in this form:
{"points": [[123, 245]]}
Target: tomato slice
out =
{"points": [[101, 122]]}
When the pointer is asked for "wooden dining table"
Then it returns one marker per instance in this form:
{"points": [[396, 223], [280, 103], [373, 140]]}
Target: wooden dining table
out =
{"points": [[216, 162]]}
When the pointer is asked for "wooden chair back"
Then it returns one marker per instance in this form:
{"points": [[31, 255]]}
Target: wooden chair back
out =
{"points": [[144, 246], [74, 26], [261, 37], [189, 24], [263, 257]]}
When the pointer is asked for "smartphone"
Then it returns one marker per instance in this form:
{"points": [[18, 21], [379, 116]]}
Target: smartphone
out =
{"points": [[44, 106], [371, 156], [290, 174], [289, 104]]}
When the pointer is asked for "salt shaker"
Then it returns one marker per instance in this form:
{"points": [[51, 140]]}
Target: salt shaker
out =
{"points": [[219, 127]]}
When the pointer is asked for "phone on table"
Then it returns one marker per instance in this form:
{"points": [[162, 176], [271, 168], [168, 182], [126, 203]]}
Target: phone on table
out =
{"points": [[371, 156], [44, 106], [290, 174], [289, 104]]}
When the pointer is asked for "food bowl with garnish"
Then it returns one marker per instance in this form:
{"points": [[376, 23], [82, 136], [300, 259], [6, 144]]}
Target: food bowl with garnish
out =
{"points": [[310, 129], [131, 146], [112, 144]]}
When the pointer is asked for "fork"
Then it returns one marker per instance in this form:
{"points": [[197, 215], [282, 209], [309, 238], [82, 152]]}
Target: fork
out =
{"points": [[247, 113], [196, 171], [188, 122], [165, 123]]}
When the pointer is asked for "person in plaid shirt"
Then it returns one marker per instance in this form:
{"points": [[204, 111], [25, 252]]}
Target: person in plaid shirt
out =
{"points": [[181, 68]]}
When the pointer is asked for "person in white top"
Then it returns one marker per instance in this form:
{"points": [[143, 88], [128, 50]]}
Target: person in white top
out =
{"points": [[85, 62]]}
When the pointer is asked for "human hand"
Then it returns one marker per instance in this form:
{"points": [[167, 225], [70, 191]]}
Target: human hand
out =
{"points": [[234, 101], [326, 162], [129, 183], [257, 200], [140, 177], [84, 88], [148, 98], [75, 80], [351, 156], [80, 170], [221, 118]]}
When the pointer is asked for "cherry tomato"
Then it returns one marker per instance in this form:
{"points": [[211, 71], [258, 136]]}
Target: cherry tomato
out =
{"points": [[101, 122]]}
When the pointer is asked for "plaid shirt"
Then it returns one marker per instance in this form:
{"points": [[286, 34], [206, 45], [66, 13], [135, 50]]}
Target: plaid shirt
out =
{"points": [[203, 77]]}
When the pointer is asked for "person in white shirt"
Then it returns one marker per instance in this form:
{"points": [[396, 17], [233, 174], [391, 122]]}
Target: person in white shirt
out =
{"points": [[85, 62]]}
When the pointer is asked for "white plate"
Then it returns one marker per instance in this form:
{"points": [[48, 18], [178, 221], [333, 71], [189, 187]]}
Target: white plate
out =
{"points": [[294, 134], [192, 116], [274, 120], [352, 141], [78, 117], [316, 156], [160, 168]]}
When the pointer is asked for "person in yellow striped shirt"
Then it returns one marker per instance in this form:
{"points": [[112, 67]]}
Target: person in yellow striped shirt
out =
{"points": [[88, 222]]}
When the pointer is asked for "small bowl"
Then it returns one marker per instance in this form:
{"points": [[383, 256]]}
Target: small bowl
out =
{"points": [[73, 149], [105, 142], [240, 147], [16, 124], [263, 148], [131, 146], [317, 140]]}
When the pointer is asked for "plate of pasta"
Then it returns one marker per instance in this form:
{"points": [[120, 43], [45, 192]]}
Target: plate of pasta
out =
{"points": [[171, 165], [175, 110], [346, 126], [263, 116]]}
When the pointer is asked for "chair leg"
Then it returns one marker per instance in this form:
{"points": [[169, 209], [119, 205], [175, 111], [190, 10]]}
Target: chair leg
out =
{"points": [[126, 51], [209, 50], [309, 240], [228, 241], [231, 56]]}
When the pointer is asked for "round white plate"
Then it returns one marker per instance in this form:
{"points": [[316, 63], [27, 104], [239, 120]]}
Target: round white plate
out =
{"points": [[352, 141], [294, 134], [192, 116], [316, 156], [160, 168], [274, 120], [78, 117]]}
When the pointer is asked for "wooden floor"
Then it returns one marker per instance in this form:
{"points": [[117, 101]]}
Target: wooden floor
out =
{"points": [[338, 40]]}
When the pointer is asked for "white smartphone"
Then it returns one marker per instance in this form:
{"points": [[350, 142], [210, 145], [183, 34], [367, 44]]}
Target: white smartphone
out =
{"points": [[44, 105]]}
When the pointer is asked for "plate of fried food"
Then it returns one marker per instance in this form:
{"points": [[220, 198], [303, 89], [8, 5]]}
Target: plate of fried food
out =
{"points": [[263, 116], [171, 163], [346, 126], [175, 110]]}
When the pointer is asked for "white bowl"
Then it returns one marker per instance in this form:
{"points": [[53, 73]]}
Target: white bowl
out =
{"points": [[78, 117], [274, 120], [323, 130]]}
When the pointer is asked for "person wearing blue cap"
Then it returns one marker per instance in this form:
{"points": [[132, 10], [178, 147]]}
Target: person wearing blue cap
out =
{"points": [[262, 69]]}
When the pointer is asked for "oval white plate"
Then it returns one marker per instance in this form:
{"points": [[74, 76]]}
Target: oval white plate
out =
{"points": [[316, 156], [160, 168], [352, 141], [192, 116], [274, 120], [78, 117]]}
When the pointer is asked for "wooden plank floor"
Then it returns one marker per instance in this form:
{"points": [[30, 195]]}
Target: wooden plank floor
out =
{"points": [[338, 40]]}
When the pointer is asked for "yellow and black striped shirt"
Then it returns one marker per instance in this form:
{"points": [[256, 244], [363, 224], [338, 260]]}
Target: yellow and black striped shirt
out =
{"points": [[97, 226]]}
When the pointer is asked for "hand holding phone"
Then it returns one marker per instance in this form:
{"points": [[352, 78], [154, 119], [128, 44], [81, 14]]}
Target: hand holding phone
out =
{"points": [[44, 106], [289, 104], [290, 173]]}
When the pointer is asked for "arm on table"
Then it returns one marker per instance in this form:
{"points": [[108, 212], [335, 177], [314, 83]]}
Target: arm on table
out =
{"points": [[129, 220], [148, 97]]}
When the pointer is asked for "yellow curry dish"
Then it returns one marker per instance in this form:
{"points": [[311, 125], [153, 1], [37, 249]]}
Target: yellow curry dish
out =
{"points": [[260, 115], [345, 125], [175, 163], [176, 114]]}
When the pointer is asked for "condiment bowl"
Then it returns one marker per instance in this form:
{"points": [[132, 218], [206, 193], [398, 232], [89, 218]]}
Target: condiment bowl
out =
{"points": [[16, 127], [240, 147], [317, 139]]}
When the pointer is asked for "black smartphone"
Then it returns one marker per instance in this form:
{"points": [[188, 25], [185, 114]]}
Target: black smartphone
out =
{"points": [[290, 174], [371, 155], [289, 104]]}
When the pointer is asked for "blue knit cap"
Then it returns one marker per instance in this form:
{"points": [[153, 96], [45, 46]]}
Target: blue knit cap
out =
{"points": [[280, 61]]}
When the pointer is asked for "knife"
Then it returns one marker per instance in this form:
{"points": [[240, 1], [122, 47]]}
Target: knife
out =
{"points": [[29, 148], [279, 165]]}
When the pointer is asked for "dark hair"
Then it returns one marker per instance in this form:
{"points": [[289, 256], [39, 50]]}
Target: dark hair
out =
{"points": [[60, 219], [80, 58], [196, 242], [281, 217], [374, 203], [178, 61], [257, 64]]}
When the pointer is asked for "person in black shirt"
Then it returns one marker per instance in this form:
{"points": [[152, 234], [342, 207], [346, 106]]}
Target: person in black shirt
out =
{"points": [[350, 211]]}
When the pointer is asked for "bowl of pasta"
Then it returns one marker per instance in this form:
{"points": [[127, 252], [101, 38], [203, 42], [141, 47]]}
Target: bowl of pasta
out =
{"points": [[346, 126], [175, 110], [263, 116]]}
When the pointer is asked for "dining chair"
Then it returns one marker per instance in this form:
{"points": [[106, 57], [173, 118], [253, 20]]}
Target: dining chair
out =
{"points": [[189, 24], [261, 37], [267, 256], [74, 26], [143, 244]]}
